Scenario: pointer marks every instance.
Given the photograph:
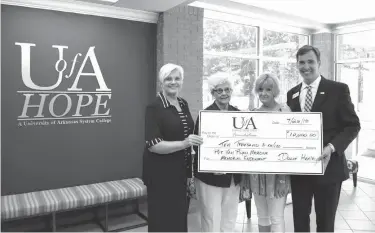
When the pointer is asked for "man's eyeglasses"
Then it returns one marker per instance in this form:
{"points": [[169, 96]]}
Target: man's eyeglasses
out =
{"points": [[220, 91]]}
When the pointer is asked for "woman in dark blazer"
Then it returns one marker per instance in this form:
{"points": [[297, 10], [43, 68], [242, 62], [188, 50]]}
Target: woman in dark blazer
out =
{"points": [[218, 193], [168, 136]]}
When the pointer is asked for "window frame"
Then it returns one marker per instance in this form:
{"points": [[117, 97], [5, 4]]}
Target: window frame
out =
{"points": [[337, 62], [260, 27]]}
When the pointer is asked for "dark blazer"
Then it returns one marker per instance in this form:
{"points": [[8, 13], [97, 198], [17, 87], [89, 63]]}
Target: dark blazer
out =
{"points": [[340, 124], [162, 122], [210, 178]]}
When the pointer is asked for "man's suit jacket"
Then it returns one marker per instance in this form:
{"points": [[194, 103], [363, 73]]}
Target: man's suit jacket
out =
{"points": [[340, 124]]}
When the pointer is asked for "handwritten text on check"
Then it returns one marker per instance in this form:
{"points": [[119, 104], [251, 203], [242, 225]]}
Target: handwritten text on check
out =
{"points": [[260, 142]]}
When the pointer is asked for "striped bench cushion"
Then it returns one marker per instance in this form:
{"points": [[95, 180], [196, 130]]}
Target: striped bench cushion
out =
{"points": [[42, 202]]}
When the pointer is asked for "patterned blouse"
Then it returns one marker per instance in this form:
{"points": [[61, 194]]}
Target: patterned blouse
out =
{"points": [[265, 184]]}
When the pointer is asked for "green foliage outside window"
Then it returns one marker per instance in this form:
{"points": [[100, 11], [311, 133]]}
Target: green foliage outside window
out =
{"points": [[231, 48]]}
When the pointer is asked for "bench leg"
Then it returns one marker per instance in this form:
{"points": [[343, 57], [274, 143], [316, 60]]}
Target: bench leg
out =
{"points": [[248, 208], [355, 179], [53, 222], [98, 219], [136, 205], [106, 218], [139, 212]]}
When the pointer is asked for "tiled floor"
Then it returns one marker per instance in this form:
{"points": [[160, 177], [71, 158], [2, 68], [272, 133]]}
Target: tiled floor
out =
{"points": [[356, 213], [366, 166]]}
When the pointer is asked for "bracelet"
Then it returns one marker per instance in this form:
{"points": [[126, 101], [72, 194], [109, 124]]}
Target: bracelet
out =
{"points": [[282, 181]]}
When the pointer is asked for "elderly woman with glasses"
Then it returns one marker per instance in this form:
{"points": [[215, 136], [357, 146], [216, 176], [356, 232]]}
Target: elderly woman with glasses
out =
{"points": [[218, 193], [269, 191], [167, 155]]}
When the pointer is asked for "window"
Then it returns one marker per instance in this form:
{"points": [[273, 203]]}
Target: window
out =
{"points": [[358, 45], [236, 50], [230, 48], [229, 38], [281, 44], [355, 66], [279, 58], [287, 73]]}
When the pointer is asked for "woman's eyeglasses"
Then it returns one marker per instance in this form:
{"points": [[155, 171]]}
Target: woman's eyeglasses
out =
{"points": [[220, 91]]}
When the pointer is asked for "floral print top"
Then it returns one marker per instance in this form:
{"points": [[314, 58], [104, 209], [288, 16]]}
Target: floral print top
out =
{"points": [[267, 184]]}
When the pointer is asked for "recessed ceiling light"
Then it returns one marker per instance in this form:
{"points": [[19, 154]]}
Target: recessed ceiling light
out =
{"points": [[113, 1]]}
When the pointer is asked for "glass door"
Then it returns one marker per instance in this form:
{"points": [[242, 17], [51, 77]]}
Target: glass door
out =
{"points": [[360, 77]]}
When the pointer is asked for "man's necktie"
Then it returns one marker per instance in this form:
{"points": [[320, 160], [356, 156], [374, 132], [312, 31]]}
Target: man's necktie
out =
{"points": [[308, 100]]}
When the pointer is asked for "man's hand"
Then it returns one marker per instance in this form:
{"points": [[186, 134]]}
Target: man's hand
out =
{"points": [[326, 156]]}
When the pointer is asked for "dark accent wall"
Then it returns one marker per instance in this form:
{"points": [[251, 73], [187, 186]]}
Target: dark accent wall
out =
{"points": [[52, 156]]}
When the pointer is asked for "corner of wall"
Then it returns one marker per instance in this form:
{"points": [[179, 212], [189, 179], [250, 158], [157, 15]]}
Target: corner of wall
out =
{"points": [[180, 41], [325, 42]]}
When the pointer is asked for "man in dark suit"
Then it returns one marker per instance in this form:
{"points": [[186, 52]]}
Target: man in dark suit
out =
{"points": [[340, 127]]}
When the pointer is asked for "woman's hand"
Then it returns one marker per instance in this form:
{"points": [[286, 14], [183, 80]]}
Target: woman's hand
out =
{"points": [[193, 140]]}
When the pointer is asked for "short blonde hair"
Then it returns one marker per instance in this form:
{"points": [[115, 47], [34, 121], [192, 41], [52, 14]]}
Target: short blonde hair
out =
{"points": [[270, 79], [216, 80], [167, 69]]}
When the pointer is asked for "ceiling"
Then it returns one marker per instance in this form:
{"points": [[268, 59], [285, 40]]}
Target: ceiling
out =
{"points": [[322, 11], [312, 15], [318, 15], [144, 5]]}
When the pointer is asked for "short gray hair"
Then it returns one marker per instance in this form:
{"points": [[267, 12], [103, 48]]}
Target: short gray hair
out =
{"points": [[216, 80], [167, 69], [268, 78]]}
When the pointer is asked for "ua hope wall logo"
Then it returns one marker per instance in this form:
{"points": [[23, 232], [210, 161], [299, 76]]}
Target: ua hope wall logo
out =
{"points": [[39, 102]]}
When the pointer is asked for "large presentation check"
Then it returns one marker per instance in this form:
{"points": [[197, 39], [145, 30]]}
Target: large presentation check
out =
{"points": [[260, 142]]}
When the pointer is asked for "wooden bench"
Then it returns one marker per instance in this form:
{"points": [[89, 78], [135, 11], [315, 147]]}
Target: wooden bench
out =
{"points": [[51, 202]]}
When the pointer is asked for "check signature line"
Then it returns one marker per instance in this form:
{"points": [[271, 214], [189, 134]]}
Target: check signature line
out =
{"points": [[263, 161], [286, 138], [257, 148]]}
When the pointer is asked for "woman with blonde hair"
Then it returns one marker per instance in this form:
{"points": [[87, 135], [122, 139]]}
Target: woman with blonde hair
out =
{"points": [[167, 154], [269, 190]]}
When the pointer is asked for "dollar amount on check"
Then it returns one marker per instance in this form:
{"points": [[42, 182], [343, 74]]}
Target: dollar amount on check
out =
{"points": [[260, 142]]}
